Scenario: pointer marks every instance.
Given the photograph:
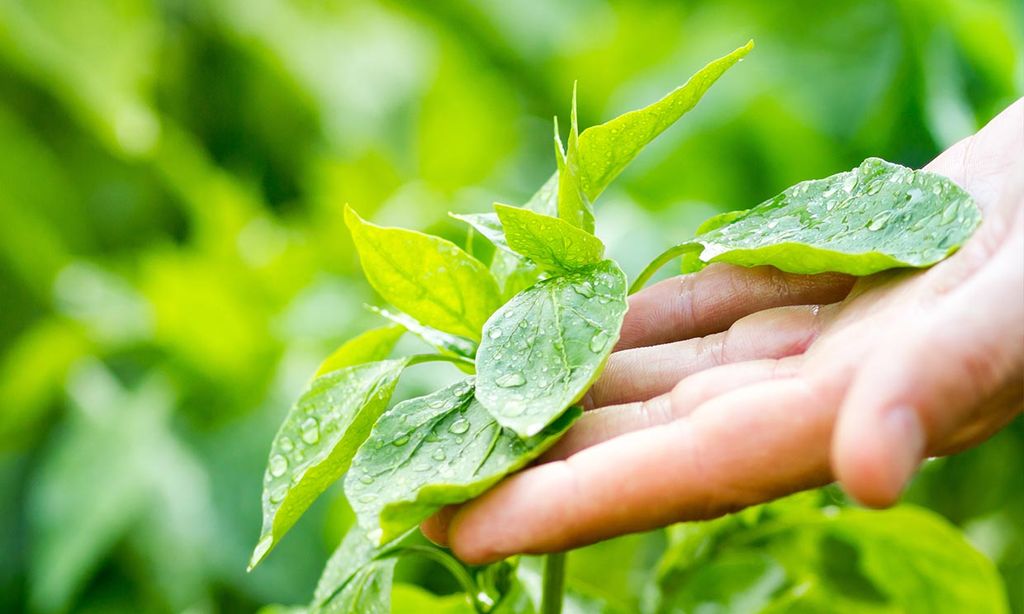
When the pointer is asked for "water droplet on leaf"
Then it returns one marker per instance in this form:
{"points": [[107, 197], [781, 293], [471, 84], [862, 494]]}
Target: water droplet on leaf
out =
{"points": [[458, 427], [401, 441], [278, 465], [599, 341], [310, 431], [510, 380]]}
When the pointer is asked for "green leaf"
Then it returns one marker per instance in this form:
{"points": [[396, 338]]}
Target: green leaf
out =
{"points": [[607, 149], [544, 348], [451, 345], [354, 580], [373, 345], [431, 279], [317, 441], [432, 451], [877, 216], [411, 599], [573, 204], [551, 242]]}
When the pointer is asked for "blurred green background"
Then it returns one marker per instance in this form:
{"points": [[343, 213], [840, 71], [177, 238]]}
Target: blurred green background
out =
{"points": [[174, 264]]}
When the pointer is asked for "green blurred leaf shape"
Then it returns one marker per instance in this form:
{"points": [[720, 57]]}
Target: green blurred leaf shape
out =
{"points": [[431, 279], [317, 441], [370, 346], [354, 580], [411, 599], [549, 241], [875, 217], [488, 225], [432, 451], [544, 348], [447, 345]]}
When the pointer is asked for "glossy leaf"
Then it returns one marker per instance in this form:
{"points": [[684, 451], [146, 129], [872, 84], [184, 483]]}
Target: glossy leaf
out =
{"points": [[544, 348], [431, 279], [317, 441], [432, 451], [373, 345], [607, 149], [354, 580], [488, 225], [411, 599], [446, 344], [875, 217], [549, 241]]}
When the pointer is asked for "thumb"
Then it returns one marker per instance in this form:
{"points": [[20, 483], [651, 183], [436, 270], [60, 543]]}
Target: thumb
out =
{"points": [[935, 388]]}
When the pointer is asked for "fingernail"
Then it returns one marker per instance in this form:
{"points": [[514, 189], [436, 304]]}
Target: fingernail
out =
{"points": [[903, 436]]}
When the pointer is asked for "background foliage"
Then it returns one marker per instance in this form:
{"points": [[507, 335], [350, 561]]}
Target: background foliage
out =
{"points": [[174, 262]]}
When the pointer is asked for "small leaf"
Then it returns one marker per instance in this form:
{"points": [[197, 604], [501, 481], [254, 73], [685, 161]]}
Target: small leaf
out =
{"points": [[607, 149], [875, 217], [354, 580], [573, 204], [431, 279], [549, 241], [544, 348], [432, 451], [373, 345], [317, 441], [452, 345]]}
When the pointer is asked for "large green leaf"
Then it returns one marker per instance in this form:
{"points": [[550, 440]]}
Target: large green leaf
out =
{"points": [[877, 216], [431, 279], [317, 441], [549, 241], [354, 580], [373, 345], [432, 451], [607, 149], [544, 348]]}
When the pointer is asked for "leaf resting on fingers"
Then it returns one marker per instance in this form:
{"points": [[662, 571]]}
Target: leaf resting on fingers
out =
{"points": [[432, 451], [544, 348]]}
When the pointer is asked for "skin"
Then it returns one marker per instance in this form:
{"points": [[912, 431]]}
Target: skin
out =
{"points": [[734, 386]]}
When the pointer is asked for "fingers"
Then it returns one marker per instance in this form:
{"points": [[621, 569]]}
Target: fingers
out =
{"points": [[641, 373], [712, 462], [710, 301], [929, 393], [435, 528], [607, 422]]}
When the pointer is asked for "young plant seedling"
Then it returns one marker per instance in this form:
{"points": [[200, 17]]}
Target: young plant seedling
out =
{"points": [[534, 328]]}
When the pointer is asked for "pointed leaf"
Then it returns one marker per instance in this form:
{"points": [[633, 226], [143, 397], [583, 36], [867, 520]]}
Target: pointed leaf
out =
{"points": [[544, 348], [573, 204], [549, 241], [317, 441], [607, 149], [373, 345], [432, 451], [431, 279]]}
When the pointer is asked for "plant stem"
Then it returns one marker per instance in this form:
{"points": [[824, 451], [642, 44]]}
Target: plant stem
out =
{"points": [[554, 584], [418, 359], [453, 566], [663, 259]]}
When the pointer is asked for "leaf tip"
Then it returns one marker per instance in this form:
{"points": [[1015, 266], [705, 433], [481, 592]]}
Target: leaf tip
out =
{"points": [[260, 551]]}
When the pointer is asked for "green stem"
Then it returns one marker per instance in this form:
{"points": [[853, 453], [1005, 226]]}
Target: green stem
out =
{"points": [[481, 602], [665, 257], [554, 584]]}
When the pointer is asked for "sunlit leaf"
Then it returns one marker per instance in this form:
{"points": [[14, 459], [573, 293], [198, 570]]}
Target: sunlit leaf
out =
{"points": [[354, 580], [317, 441], [432, 451], [544, 348], [371, 346], [429, 278], [443, 342], [549, 241]]}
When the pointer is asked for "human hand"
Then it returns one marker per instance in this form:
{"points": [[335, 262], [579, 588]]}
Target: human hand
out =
{"points": [[735, 386]]}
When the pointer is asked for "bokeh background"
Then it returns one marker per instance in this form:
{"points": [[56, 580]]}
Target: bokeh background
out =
{"points": [[174, 264]]}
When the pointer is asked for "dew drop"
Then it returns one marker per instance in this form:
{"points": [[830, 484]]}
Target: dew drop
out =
{"points": [[599, 341], [277, 495], [436, 404], [286, 445], [401, 441], [310, 431], [878, 223], [510, 380], [875, 186], [458, 427], [278, 465], [584, 289], [438, 454], [367, 498], [366, 478], [494, 333]]}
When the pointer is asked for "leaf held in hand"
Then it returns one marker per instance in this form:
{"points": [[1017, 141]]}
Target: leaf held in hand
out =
{"points": [[549, 241], [317, 441], [432, 451], [544, 348], [353, 580], [431, 279]]}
